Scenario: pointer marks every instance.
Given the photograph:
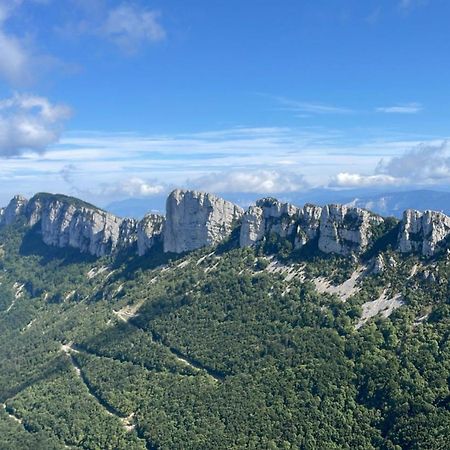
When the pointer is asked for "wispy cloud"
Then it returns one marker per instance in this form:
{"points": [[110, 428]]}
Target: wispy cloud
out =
{"points": [[129, 26], [406, 5], [102, 167], [15, 59], [311, 107], [408, 108]]}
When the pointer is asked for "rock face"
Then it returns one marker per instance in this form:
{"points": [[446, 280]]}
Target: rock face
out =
{"points": [[345, 230], [196, 219], [253, 226], [15, 209], [423, 232], [65, 223], [308, 225], [336, 228], [149, 230], [268, 216]]}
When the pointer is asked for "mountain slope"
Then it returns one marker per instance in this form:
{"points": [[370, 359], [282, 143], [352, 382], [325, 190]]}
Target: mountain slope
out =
{"points": [[223, 347]]}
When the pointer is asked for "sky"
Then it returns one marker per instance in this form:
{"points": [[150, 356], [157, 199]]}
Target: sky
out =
{"points": [[115, 99]]}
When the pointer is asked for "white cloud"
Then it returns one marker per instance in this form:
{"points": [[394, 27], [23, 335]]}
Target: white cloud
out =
{"points": [[137, 187], [129, 27], [261, 181], [409, 108], [29, 123], [20, 60], [355, 180], [424, 163], [14, 59]]}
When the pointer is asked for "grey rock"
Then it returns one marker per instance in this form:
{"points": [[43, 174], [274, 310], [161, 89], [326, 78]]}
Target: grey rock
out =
{"points": [[15, 209], [253, 227], [345, 230], [423, 232], [149, 230], [196, 219], [268, 216], [379, 265], [308, 225], [127, 233], [67, 222]]}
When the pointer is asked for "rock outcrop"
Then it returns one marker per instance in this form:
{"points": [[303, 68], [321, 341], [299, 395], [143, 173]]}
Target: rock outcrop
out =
{"points": [[149, 230], [67, 222], [308, 225], [197, 219], [345, 230], [423, 232], [336, 229], [268, 216], [13, 211]]}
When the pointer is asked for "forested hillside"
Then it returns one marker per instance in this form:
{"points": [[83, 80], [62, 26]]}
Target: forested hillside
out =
{"points": [[222, 348]]}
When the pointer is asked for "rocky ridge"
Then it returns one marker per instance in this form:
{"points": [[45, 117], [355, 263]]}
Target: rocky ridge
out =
{"points": [[196, 219]]}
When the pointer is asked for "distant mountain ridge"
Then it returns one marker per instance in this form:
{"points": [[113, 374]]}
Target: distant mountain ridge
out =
{"points": [[395, 203]]}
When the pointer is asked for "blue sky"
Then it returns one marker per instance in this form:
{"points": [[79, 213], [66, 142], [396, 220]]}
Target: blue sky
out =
{"points": [[115, 99]]}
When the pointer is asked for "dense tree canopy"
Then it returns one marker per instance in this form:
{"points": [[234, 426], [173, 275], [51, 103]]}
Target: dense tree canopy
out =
{"points": [[218, 351]]}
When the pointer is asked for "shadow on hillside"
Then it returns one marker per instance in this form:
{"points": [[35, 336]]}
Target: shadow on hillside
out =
{"points": [[32, 245], [56, 366]]}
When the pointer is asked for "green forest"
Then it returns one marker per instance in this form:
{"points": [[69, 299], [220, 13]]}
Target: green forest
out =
{"points": [[222, 348]]}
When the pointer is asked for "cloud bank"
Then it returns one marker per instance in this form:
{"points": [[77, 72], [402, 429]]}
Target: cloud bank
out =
{"points": [[259, 181], [424, 164]]}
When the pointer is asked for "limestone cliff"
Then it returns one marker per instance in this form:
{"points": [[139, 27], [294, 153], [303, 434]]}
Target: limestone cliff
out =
{"points": [[345, 230], [308, 225], [197, 219], [149, 230], [268, 216], [14, 210], [66, 222], [423, 232]]}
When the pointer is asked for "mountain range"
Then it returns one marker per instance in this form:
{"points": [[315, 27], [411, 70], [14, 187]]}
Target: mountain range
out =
{"points": [[274, 327]]}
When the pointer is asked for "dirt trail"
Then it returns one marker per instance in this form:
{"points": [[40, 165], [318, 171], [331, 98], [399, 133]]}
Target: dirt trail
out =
{"points": [[128, 421], [11, 416]]}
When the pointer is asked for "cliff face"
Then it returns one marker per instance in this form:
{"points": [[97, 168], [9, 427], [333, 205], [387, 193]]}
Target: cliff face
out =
{"points": [[14, 210], [65, 224], [423, 232], [196, 219], [149, 230], [345, 230], [268, 216], [337, 229]]}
